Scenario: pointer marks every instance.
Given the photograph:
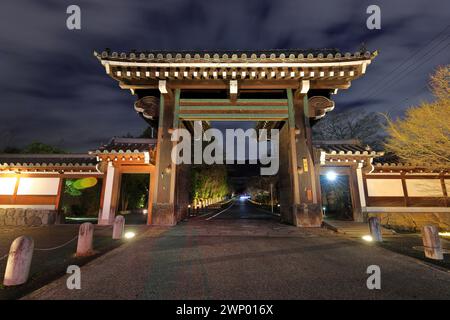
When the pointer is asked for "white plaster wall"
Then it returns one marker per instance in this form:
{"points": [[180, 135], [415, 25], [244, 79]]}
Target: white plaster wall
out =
{"points": [[424, 188], [384, 187], [7, 186], [38, 186], [28, 206]]}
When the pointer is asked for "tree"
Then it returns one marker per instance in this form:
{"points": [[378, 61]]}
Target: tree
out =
{"points": [[11, 150], [39, 147], [422, 137], [259, 188], [149, 132], [34, 147], [367, 127], [209, 181], [134, 191]]}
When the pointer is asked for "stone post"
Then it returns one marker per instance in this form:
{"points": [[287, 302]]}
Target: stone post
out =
{"points": [[85, 237], [432, 243], [375, 229], [19, 261], [118, 228]]}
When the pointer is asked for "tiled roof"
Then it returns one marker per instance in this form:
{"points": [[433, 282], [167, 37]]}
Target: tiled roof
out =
{"points": [[127, 145], [389, 159], [236, 55], [391, 162], [323, 64], [345, 147], [42, 160]]}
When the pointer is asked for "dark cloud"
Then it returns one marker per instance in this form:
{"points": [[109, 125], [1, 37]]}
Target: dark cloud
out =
{"points": [[55, 91]]}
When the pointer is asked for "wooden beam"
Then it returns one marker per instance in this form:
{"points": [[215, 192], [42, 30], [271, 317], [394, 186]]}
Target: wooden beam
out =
{"points": [[243, 84]]}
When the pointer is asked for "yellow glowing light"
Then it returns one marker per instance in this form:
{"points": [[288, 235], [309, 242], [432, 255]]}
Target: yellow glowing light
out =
{"points": [[129, 235], [85, 183], [367, 238], [444, 234]]}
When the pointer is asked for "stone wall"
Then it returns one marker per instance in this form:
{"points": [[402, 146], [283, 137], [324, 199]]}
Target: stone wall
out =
{"points": [[26, 217], [413, 221]]}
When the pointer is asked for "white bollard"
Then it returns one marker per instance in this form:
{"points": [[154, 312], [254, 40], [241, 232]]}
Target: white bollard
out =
{"points": [[85, 237], [432, 243], [118, 227], [375, 229], [19, 261]]}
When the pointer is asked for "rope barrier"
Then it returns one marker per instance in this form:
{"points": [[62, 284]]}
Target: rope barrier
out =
{"points": [[57, 247], [52, 248]]}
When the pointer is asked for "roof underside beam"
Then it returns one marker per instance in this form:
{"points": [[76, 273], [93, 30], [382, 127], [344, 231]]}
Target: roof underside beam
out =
{"points": [[243, 84]]}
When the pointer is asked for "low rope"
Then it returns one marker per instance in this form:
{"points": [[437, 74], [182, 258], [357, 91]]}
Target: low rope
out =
{"points": [[64, 244], [57, 247], [52, 248]]}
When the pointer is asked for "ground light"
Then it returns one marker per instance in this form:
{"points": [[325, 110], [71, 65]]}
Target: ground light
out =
{"points": [[367, 238], [331, 176], [129, 235]]}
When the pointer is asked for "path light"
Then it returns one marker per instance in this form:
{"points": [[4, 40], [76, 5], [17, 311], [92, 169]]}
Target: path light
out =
{"points": [[331, 176], [129, 235], [367, 238]]}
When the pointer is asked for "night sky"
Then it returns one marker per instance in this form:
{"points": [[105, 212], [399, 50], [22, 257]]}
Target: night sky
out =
{"points": [[53, 90]]}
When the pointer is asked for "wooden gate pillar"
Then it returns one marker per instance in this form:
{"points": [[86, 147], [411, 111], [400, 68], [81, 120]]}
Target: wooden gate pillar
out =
{"points": [[163, 206], [305, 209]]}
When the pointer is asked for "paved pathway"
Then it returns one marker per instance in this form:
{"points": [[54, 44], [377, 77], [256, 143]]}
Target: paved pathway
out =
{"points": [[246, 258], [353, 229]]}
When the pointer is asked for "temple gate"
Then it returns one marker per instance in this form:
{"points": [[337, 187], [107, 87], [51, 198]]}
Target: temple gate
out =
{"points": [[284, 89]]}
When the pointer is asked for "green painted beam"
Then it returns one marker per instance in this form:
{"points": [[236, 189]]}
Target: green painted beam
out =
{"points": [[161, 110], [238, 100], [306, 109], [176, 109], [233, 107], [291, 108], [265, 116]]}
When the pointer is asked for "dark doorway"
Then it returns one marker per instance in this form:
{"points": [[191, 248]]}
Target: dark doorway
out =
{"points": [[80, 199], [133, 197], [336, 197]]}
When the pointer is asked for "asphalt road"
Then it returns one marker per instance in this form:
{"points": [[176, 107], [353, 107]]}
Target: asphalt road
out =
{"points": [[242, 209], [239, 255]]}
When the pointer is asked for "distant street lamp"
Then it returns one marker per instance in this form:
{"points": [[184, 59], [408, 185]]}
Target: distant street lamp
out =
{"points": [[331, 176]]}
